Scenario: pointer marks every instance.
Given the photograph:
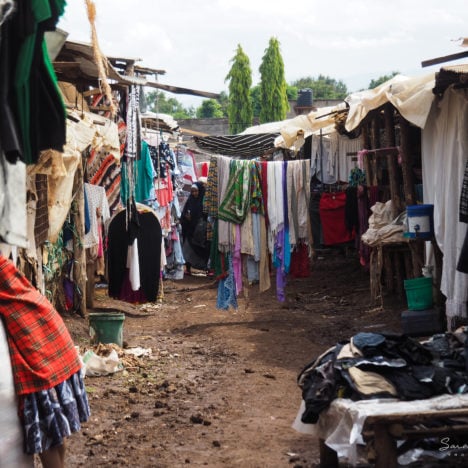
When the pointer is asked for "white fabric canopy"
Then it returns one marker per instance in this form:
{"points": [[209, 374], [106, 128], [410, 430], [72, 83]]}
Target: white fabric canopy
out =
{"points": [[295, 130], [411, 96], [444, 155]]}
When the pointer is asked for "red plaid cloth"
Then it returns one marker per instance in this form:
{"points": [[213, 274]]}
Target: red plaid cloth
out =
{"points": [[42, 351]]}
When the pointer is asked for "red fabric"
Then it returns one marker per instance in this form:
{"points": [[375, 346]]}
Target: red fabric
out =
{"points": [[41, 349], [332, 218], [204, 169], [300, 267]]}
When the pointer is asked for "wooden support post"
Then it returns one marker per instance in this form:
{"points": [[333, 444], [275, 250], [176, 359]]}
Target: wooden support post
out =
{"points": [[328, 457], [392, 161], [365, 134], [375, 130], [79, 266], [398, 267], [367, 169], [408, 273], [388, 268], [389, 126], [417, 257], [385, 448], [90, 283], [406, 163]]}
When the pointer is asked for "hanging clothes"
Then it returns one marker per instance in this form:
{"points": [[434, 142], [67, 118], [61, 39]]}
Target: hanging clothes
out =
{"points": [[462, 263], [38, 104], [143, 226], [332, 218], [145, 174], [98, 212]]}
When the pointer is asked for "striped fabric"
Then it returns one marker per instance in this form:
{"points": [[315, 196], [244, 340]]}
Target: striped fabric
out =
{"points": [[242, 146], [464, 197], [104, 171], [42, 351]]}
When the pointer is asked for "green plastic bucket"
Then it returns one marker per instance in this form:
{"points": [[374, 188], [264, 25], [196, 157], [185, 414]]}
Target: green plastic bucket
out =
{"points": [[419, 293], [106, 327]]}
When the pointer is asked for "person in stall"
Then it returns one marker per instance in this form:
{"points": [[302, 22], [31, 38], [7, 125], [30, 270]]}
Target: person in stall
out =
{"points": [[195, 247], [48, 386]]}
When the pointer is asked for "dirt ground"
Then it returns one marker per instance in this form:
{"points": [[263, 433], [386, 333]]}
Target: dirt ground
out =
{"points": [[219, 388]]}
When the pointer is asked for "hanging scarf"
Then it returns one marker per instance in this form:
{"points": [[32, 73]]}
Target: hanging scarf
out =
{"points": [[236, 201]]}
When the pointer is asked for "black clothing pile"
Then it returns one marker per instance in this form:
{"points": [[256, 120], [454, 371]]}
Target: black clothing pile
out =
{"points": [[384, 365]]}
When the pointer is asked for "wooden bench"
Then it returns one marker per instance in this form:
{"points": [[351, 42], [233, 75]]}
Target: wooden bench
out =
{"points": [[381, 432]]}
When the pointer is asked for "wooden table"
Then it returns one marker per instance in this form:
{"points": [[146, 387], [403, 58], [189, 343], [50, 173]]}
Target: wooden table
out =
{"points": [[371, 428]]}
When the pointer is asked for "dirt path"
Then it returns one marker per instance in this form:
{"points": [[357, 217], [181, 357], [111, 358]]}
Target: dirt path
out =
{"points": [[220, 386]]}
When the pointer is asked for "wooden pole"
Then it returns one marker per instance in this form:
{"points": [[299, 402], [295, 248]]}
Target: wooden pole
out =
{"points": [[392, 161], [79, 267], [406, 162]]}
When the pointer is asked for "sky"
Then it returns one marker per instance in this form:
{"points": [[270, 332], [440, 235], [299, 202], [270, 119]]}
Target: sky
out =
{"points": [[353, 41]]}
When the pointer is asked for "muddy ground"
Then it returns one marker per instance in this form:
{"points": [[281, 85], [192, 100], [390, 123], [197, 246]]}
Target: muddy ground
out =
{"points": [[219, 388]]}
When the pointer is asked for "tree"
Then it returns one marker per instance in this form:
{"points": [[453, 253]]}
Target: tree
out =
{"points": [[240, 80], [255, 99], [223, 101], [209, 109], [323, 87], [291, 92], [158, 102], [274, 103], [374, 83]]}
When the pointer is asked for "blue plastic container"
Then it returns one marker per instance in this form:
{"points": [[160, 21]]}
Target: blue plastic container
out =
{"points": [[420, 221]]}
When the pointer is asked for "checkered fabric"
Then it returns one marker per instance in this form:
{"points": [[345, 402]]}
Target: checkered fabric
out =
{"points": [[42, 351]]}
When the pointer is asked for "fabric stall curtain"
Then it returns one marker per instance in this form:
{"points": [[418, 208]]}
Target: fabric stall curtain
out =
{"points": [[332, 218]]}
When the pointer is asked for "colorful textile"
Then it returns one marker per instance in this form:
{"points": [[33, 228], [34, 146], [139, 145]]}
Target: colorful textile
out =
{"points": [[227, 295], [256, 197], [210, 202], [145, 174], [236, 201], [300, 267], [42, 351], [264, 182], [278, 262], [39, 105], [132, 149], [103, 170], [97, 202], [49, 416], [332, 217]]}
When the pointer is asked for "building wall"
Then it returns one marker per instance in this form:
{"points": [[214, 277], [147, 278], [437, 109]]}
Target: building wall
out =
{"points": [[221, 126]]}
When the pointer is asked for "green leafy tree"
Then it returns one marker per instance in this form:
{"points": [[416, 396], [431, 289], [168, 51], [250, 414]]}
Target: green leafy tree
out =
{"points": [[158, 102], [323, 87], [274, 103], [210, 109], [240, 80], [223, 101], [291, 92], [255, 100], [374, 83]]}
